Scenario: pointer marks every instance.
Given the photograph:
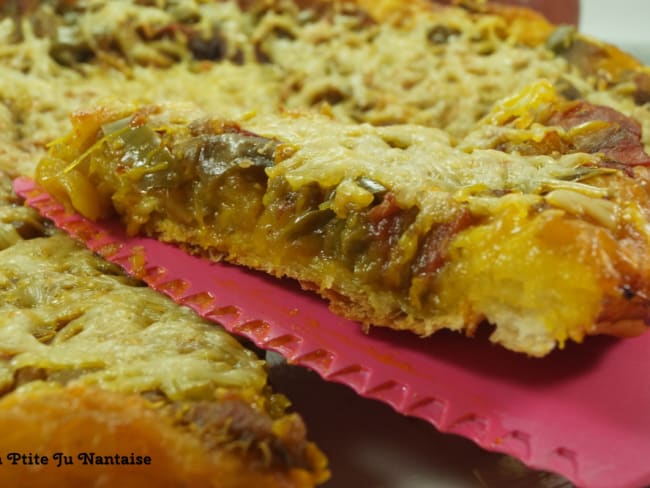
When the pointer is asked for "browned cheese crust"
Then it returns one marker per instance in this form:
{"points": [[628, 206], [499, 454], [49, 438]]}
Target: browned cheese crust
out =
{"points": [[104, 438]]}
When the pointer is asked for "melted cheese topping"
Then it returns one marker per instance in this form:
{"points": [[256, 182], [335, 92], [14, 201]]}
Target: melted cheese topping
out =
{"points": [[418, 164], [442, 68], [68, 317]]}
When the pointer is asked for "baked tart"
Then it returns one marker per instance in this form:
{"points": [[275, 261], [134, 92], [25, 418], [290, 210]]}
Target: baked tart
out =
{"points": [[535, 222]]}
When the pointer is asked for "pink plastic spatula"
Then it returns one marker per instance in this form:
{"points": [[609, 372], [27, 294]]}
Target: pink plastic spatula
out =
{"points": [[583, 412]]}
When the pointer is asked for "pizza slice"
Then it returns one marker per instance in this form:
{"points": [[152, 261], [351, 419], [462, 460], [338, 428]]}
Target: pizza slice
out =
{"points": [[535, 222], [103, 380]]}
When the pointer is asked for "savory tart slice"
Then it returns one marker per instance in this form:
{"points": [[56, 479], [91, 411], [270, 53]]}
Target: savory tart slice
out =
{"points": [[104, 381], [536, 222]]}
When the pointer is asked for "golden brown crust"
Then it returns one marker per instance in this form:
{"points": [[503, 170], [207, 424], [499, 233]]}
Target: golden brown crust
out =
{"points": [[82, 420]]}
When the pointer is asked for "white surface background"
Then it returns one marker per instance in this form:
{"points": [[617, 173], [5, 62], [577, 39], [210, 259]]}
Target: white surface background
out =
{"points": [[368, 444], [625, 23]]}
